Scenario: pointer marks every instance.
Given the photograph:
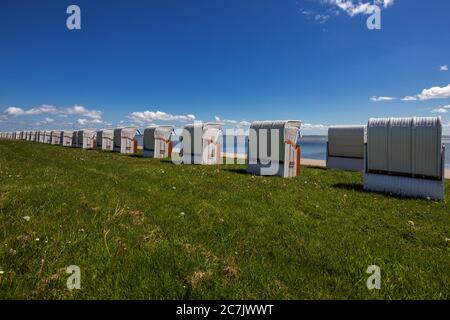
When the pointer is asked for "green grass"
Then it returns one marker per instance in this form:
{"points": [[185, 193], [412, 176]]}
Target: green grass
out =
{"points": [[148, 229]]}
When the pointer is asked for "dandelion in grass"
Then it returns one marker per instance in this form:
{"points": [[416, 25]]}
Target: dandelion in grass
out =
{"points": [[411, 225], [27, 218]]}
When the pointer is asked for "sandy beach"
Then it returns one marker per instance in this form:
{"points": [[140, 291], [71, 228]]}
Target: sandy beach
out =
{"points": [[313, 163]]}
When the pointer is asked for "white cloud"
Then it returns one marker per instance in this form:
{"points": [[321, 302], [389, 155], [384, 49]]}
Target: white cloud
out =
{"points": [[322, 18], [350, 7], [432, 93], [84, 121], [435, 93], [150, 116], [242, 123], [443, 68], [16, 111], [45, 121], [409, 98], [313, 126], [353, 8], [441, 109], [384, 3], [82, 111], [245, 123], [75, 110], [382, 98], [217, 119], [89, 116], [305, 12]]}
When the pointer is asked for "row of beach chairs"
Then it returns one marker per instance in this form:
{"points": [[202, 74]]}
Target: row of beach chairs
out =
{"points": [[403, 156]]}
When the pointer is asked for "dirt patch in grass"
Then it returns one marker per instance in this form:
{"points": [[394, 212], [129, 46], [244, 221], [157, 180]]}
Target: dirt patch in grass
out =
{"points": [[152, 237], [231, 272], [95, 209], [50, 280], [137, 217], [23, 239], [195, 279], [208, 255]]}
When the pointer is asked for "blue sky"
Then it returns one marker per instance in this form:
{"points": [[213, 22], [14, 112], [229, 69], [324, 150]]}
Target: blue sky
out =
{"points": [[170, 61]]}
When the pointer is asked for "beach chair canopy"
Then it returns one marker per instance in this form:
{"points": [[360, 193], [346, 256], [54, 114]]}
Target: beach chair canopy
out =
{"points": [[164, 132], [99, 139], [67, 133], [89, 136], [109, 133], [55, 137], [200, 143], [67, 138], [117, 139], [157, 137], [108, 139], [288, 132], [79, 138], [128, 144], [405, 146], [48, 137], [149, 139], [156, 132], [129, 132], [346, 141]]}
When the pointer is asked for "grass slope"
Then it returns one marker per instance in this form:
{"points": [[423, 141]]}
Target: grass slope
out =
{"points": [[147, 229]]}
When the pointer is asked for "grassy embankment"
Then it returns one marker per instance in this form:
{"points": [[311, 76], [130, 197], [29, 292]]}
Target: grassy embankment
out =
{"points": [[148, 229]]}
